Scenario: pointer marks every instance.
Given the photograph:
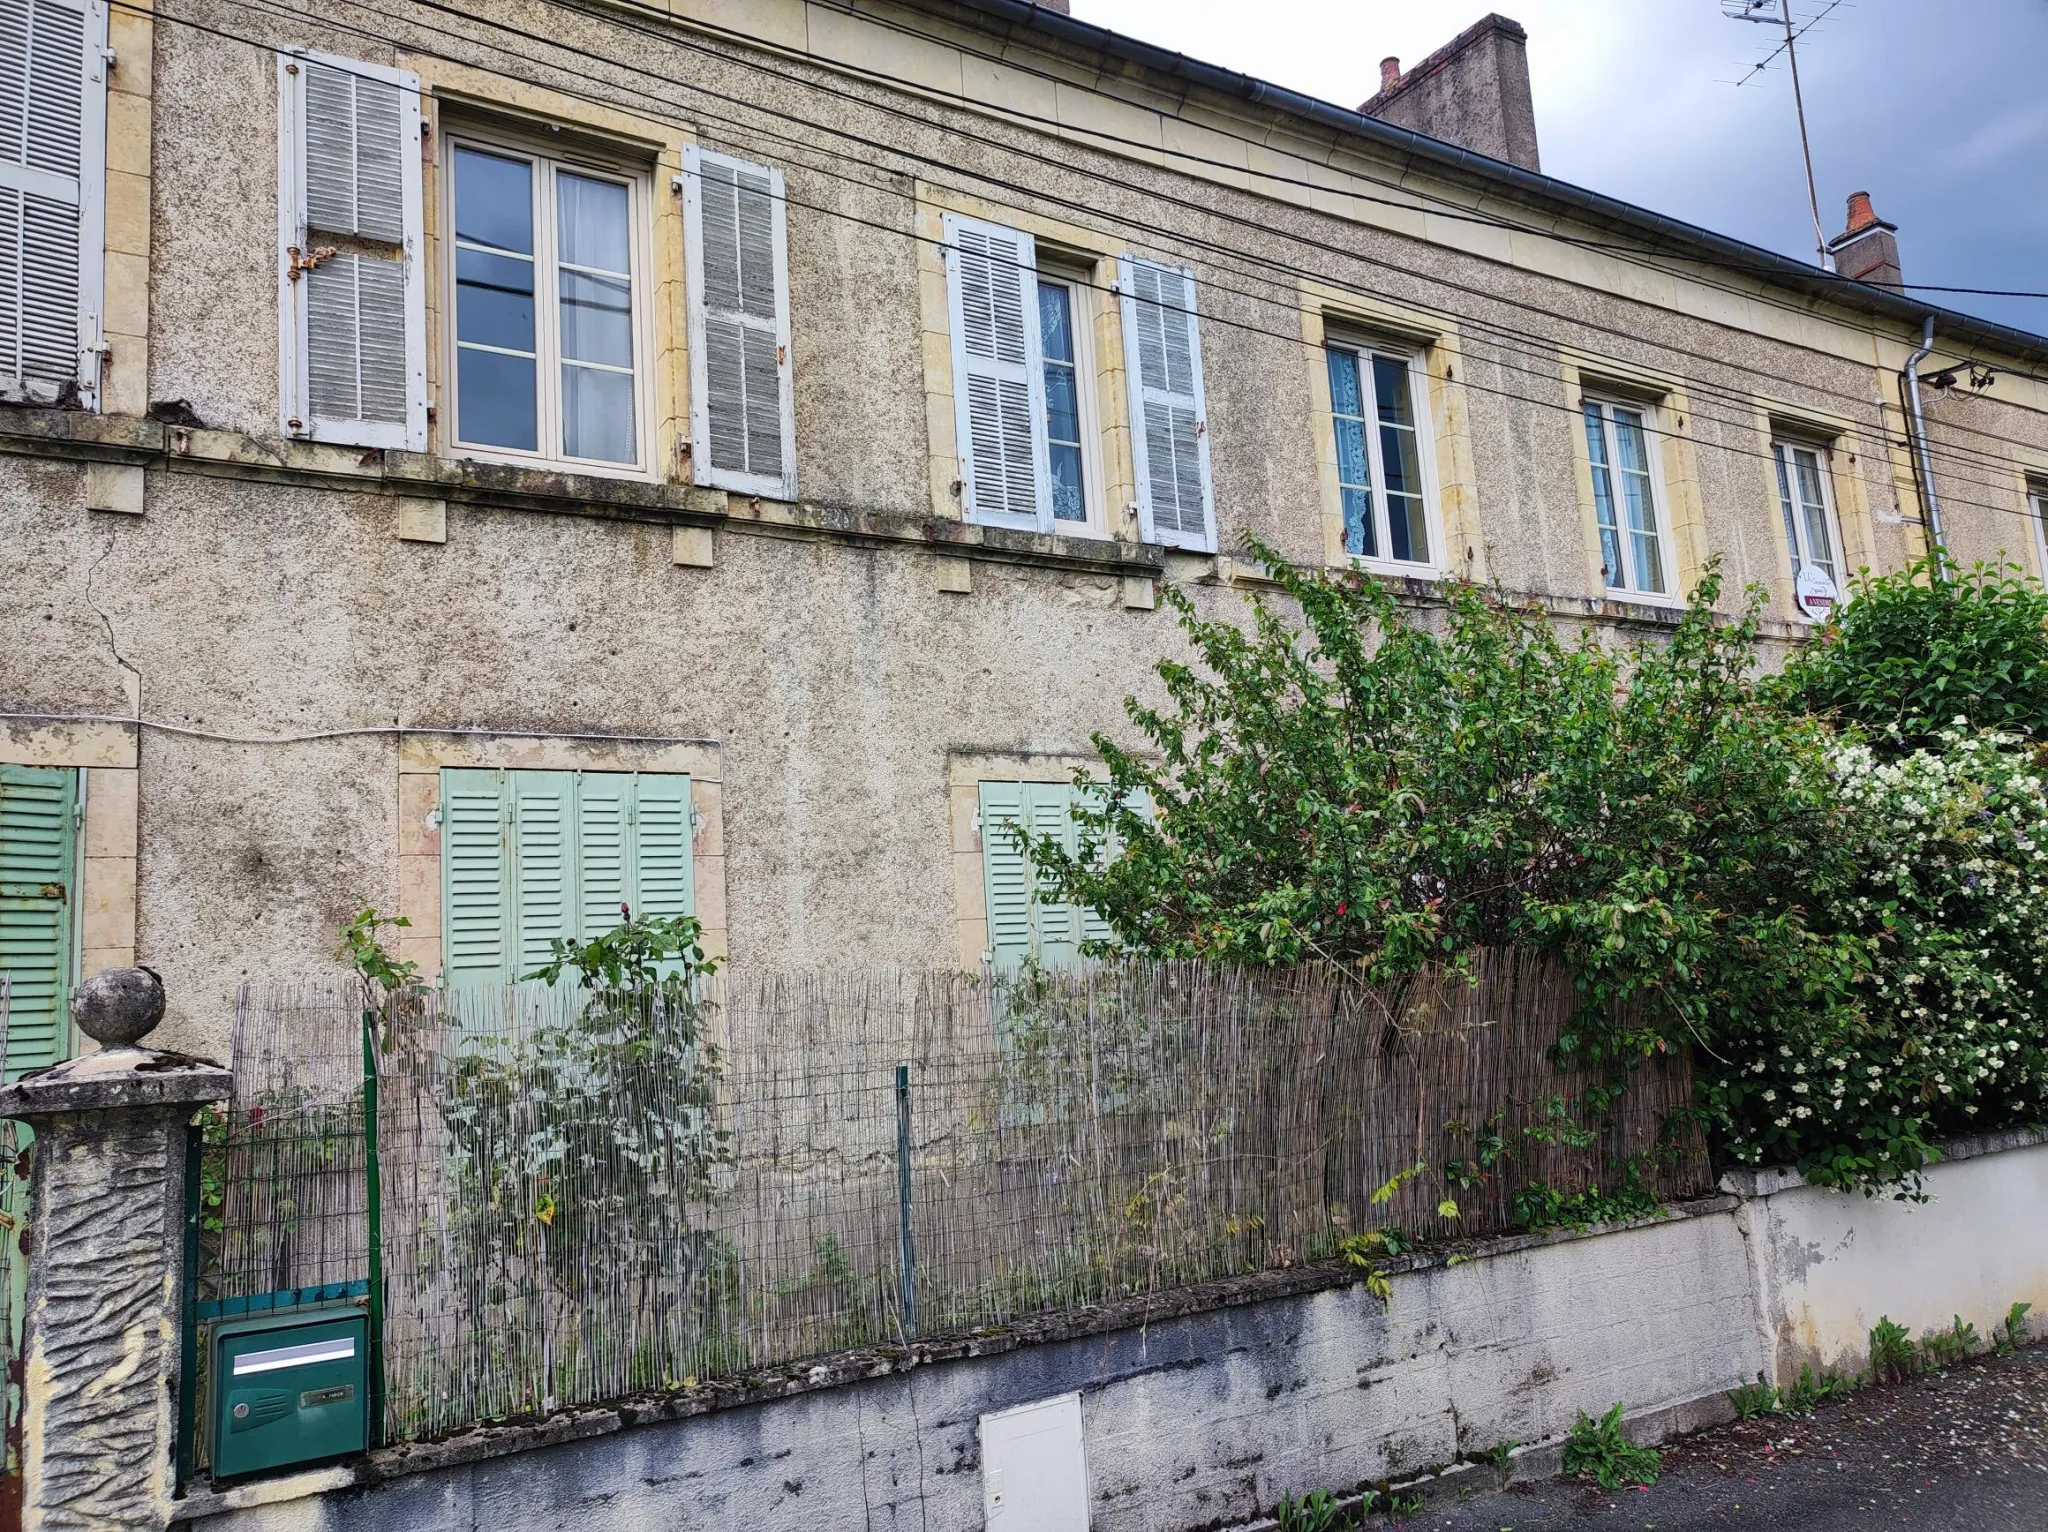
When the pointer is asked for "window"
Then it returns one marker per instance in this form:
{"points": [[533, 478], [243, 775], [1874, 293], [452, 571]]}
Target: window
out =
{"points": [[1169, 418], [1019, 925], [352, 354], [743, 413], [1633, 550], [1806, 501], [1062, 343], [53, 114], [38, 860], [529, 857], [1380, 453], [548, 314]]}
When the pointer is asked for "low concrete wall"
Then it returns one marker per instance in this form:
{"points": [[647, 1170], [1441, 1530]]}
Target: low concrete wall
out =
{"points": [[1286, 1383], [1828, 1265]]}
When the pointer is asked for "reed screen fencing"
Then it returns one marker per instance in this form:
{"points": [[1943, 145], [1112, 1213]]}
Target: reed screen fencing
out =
{"points": [[582, 1198]]}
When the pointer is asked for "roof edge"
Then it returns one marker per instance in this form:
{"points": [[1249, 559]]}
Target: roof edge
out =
{"points": [[1698, 241]]}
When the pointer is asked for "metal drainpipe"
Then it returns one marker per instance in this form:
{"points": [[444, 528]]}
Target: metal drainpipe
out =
{"points": [[1930, 501]]}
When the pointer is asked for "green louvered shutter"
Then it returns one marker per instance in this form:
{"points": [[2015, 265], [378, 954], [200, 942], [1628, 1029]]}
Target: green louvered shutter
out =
{"points": [[38, 857], [663, 879], [476, 866], [604, 815], [544, 893], [1057, 924], [1006, 879]]}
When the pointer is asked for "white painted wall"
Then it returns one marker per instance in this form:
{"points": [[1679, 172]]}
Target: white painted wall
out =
{"points": [[1828, 1265]]}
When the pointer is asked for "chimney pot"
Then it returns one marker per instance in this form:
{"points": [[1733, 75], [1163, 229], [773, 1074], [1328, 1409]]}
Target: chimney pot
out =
{"points": [[1868, 250], [1390, 73]]}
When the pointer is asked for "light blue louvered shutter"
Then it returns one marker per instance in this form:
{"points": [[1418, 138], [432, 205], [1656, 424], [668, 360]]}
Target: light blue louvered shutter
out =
{"points": [[544, 881], [1169, 413], [1006, 878], [742, 405], [998, 374], [663, 876], [476, 878], [1056, 924], [52, 161], [604, 813], [38, 862], [352, 321]]}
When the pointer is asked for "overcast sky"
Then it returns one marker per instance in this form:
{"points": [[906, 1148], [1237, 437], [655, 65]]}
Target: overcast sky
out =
{"points": [[1938, 108]]}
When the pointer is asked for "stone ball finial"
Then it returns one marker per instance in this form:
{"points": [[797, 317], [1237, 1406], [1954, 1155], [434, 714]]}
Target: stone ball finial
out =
{"points": [[119, 1007]]}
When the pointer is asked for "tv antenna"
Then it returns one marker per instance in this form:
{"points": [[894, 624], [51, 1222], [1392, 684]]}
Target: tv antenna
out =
{"points": [[1779, 12]]}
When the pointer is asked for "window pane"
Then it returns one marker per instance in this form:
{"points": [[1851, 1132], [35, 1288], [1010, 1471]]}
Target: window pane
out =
{"points": [[1069, 501], [592, 219], [1344, 396], [1820, 546], [494, 201], [496, 395], [1407, 538], [1062, 401], [1779, 452], [1603, 499], [597, 414], [1056, 322], [1358, 529], [1633, 452], [597, 319], [494, 300]]}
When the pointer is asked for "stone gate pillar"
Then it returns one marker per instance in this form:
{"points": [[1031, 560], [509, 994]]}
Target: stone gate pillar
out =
{"points": [[100, 1335]]}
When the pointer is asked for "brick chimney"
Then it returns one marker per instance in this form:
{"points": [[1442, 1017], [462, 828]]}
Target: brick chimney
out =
{"points": [[1868, 250], [1472, 92]]}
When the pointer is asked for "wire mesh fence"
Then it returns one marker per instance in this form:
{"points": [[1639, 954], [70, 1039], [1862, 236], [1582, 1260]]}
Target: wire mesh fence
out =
{"points": [[585, 1196]]}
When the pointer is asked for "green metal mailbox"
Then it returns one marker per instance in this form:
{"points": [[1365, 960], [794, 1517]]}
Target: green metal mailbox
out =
{"points": [[290, 1389]]}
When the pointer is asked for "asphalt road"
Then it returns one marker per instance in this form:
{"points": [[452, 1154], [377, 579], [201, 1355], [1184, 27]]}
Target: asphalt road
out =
{"points": [[1966, 1450]]}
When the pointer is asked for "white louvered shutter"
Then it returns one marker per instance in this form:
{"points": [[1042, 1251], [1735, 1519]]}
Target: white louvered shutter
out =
{"points": [[998, 374], [742, 413], [1169, 425], [53, 105], [352, 314]]}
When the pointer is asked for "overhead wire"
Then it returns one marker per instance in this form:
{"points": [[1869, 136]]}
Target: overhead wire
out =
{"points": [[1547, 345]]}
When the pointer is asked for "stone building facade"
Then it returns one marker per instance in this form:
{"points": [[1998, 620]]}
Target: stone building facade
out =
{"points": [[726, 455]]}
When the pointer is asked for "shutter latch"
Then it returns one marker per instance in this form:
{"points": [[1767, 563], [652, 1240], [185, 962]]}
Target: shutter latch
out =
{"points": [[303, 263]]}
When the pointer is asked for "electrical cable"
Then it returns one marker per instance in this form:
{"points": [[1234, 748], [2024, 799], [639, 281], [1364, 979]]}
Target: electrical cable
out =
{"points": [[1544, 348], [1748, 403], [358, 731]]}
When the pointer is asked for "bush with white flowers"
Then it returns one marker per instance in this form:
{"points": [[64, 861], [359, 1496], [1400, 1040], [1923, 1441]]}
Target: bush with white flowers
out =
{"points": [[1947, 1029]]}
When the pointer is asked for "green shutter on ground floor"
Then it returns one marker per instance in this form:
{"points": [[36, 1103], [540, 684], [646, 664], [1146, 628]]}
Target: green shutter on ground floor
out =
{"points": [[1020, 924], [38, 893], [531, 857]]}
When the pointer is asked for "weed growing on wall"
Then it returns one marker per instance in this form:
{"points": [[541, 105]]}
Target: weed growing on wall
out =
{"points": [[1597, 1449]]}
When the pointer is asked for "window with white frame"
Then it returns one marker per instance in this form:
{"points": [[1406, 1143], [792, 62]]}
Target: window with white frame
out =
{"points": [[1635, 551], [53, 116], [548, 331], [1812, 538], [1063, 337], [1382, 449]]}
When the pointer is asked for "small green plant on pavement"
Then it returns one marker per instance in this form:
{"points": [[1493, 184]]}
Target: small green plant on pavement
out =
{"points": [[1753, 1399], [2013, 1333], [1598, 1449], [1945, 1348], [1318, 1511], [1893, 1356]]}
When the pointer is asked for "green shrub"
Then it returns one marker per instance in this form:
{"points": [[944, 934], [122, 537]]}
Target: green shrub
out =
{"points": [[1893, 1356], [1917, 651], [1598, 1449]]}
